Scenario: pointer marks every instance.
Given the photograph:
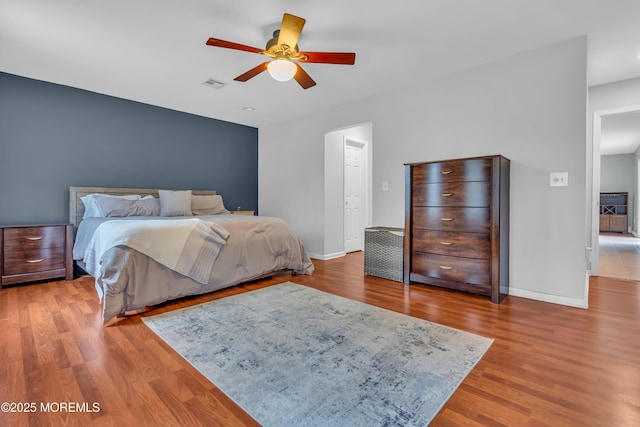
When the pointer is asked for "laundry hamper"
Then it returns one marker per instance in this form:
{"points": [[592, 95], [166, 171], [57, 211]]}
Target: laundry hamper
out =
{"points": [[384, 252]]}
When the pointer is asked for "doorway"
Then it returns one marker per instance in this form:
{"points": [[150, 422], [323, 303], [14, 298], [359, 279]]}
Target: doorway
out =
{"points": [[615, 255], [356, 139], [354, 190]]}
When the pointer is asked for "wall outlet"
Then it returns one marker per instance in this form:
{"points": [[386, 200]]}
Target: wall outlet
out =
{"points": [[559, 179]]}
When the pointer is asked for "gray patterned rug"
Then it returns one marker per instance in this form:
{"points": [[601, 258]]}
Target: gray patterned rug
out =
{"points": [[291, 355]]}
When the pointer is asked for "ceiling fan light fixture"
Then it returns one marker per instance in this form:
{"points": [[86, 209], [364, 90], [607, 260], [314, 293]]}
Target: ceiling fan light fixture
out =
{"points": [[282, 70], [285, 54]]}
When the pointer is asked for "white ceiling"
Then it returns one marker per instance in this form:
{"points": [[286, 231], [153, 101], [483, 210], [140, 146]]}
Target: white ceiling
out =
{"points": [[153, 51]]}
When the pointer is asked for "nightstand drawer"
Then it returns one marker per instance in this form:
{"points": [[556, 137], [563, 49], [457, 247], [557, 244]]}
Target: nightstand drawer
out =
{"points": [[23, 238], [33, 260], [33, 253]]}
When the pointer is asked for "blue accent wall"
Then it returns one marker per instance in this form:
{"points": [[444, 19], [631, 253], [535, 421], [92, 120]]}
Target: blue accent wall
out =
{"points": [[54, 136]]}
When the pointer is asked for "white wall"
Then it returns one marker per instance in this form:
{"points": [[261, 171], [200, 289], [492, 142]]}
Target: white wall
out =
{"points": [[617, 173], [530, 108], [333, 244], [614, 95], [635, 222]]}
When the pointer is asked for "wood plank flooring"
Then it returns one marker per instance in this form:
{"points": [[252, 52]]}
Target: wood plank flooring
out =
{"points": [[550, 365]]}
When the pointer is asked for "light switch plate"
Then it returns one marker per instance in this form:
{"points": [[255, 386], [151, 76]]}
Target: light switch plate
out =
{"points": [[385, 185], [559, 179]]}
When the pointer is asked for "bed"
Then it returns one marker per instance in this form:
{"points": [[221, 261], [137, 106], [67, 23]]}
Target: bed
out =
{"points": [[145, 246]]}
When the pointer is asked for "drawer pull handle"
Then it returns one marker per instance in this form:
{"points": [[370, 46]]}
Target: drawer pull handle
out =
{"points": [[447, 194], [34, 238], [34, 261], [446, 172], [446, 243], [446, 219], [445, 267]]}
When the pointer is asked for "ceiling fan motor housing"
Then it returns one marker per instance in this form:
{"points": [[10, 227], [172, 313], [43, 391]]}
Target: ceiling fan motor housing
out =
{"points": [[274, 50]]}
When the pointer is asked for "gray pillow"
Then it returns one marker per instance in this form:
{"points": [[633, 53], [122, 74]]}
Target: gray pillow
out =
{"points": [[175, 203], [113, 207]]}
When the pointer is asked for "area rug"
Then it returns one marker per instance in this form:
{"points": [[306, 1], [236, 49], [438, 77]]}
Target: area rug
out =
{"points": [[291, 355]]}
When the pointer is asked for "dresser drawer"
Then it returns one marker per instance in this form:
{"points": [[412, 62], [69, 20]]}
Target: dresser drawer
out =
{"points": [[34, 260], [23, 238], [461, 194], [470, 245], [472, 220], [464, 270], [453, 170]]}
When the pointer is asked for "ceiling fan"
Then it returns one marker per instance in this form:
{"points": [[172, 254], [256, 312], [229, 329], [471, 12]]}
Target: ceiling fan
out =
{"points": [[283, 48]]}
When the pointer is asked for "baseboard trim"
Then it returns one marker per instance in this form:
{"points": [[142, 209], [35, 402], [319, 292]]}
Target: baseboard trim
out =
{"points": [[327, 256], [555, 299]]}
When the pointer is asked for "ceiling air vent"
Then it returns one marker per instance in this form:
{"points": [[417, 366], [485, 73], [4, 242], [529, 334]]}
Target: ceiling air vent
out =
{"points": [[214, 84]]}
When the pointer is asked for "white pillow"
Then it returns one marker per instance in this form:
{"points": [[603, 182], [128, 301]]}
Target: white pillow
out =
{"points": [[91, 209], [207, 205], [175, 203]]}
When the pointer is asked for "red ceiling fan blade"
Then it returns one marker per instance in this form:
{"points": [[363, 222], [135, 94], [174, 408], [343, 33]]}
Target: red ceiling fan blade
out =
{"points": [[232, 45], [344, 58], [252, 72], [303, 78]]}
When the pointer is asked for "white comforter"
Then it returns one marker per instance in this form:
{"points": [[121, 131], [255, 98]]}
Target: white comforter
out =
{"points": [[188, 246]]}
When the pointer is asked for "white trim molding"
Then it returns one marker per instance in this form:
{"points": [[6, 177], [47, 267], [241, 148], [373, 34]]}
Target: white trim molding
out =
{"points": [[327, 256], [555, 299]]}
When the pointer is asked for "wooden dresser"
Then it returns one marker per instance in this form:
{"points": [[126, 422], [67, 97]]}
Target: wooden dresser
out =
{"points": [[35, 252], [457, 225], [613, 212]]}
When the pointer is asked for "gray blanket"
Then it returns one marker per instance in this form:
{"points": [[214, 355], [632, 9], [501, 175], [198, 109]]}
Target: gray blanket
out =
{"points": [[129, 280]]}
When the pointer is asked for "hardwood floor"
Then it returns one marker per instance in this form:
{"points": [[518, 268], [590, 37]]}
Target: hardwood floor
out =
{"points": [[550, 365]]}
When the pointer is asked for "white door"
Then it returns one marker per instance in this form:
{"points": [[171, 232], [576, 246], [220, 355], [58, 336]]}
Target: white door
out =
{"points": [[353, 191]]}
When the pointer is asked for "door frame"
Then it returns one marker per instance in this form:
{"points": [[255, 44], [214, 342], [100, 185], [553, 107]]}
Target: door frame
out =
{"points": [[593, 233]]}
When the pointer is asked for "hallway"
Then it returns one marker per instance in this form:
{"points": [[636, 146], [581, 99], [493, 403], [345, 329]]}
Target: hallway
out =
{"points": [[619, 256]]}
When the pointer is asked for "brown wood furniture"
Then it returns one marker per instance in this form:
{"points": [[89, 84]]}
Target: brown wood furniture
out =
{"points": [[243, 212], [35, 252], [457, 225], [613, 212]]}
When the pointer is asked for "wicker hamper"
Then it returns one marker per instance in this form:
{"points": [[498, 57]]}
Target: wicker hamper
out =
{"points": [[383, 252]]}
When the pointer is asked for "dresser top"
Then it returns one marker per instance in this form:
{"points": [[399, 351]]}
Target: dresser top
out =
{"points": [[451, 160], [34, 225]]}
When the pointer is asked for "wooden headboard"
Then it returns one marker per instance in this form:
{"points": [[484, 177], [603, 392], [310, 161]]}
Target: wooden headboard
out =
{"points": [[76, 207]]}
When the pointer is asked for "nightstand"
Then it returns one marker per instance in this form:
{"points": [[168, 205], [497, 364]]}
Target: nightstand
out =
{"points": [[35, 252], [250, 213]]}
